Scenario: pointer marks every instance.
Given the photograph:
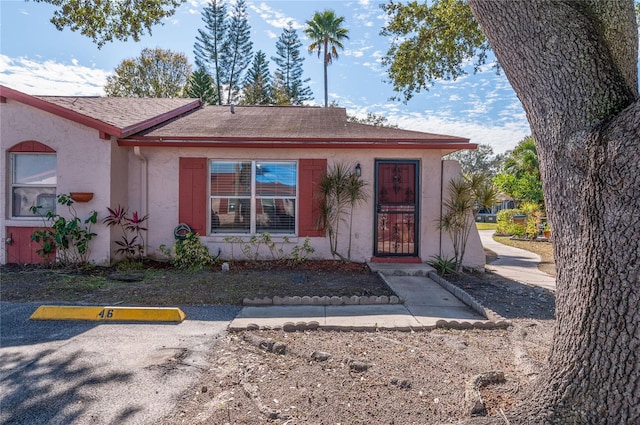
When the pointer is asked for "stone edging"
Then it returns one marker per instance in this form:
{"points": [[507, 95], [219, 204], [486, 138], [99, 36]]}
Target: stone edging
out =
{"points": [[463, 296], [326, 300]]}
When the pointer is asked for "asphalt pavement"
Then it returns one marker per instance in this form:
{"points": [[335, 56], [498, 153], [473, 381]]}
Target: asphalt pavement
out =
{"points": [[76, 372]]}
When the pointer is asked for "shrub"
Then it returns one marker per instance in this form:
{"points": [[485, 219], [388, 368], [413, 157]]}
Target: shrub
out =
{"points": [[443, 265], [504, 220], [190, 254], [300, 254], [68, 237], [132, 242]]}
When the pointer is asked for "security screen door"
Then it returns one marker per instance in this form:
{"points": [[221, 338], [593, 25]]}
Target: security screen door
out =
{"points": [[396, 202]]}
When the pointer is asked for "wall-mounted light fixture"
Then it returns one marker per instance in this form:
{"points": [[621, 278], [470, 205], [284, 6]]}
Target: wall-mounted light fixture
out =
{"points": [[358, 170]]}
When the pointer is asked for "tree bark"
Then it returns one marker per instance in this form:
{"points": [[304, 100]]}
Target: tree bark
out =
{"points": [[574, 67]]}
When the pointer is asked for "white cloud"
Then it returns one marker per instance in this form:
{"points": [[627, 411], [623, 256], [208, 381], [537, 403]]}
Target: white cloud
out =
{"points": [[51, 78], [499, 137], [274, 17]]}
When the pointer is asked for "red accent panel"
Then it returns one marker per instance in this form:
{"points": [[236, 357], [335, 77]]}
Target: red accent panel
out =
{"points": [[192, 199], [22, 250], [311, 172], [31, 146]]}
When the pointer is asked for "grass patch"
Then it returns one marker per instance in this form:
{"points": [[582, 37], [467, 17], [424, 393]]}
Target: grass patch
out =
{"points": [[486, 226], [543, 249], [166, 286]]}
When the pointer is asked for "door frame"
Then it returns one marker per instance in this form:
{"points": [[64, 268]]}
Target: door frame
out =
{"points": [[416, 205]]}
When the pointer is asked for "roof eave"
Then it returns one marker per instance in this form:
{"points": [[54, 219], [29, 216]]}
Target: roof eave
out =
{"points": [[298, 143]]}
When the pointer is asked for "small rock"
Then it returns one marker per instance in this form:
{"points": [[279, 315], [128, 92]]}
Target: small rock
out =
{"points": [[320, 356], [204, 389], [279, 348], [225, 267], [358, 366]]}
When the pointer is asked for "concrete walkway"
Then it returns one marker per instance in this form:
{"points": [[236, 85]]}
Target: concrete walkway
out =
{"points": [[426, 305], [516, 264]]}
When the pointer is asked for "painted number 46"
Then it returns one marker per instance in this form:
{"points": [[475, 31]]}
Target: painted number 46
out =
{"points": [[106, 313]]}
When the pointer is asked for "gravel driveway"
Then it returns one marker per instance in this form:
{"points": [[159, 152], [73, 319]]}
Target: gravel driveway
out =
{"points": [[57, 372]]}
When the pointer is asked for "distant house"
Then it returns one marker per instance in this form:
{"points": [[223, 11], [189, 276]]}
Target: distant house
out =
{"points": [[224, 171]]}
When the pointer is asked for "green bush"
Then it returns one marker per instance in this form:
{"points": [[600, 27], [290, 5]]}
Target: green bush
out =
{"points": [[68, 237], [443, 265], [190, 254], [517, 230], [504, 220]]}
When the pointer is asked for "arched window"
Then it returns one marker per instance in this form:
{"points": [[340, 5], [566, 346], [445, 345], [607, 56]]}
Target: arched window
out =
{"points": [[33, 178]]}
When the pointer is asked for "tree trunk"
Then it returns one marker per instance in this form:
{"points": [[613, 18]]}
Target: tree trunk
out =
{"points": [[574, 67], [326, 65]]}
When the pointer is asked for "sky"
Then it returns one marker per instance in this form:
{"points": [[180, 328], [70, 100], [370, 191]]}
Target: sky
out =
{"points": [[37, 59]]}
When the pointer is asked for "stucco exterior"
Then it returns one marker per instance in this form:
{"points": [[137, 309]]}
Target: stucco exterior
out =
{"points": [[145, 178], [84, 164]]}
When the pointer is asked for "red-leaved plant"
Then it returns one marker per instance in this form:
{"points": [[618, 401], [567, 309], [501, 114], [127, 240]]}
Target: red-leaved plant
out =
{"points": [[132, 242]]}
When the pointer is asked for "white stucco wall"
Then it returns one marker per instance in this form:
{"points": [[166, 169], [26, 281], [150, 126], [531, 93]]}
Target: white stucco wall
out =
{"points": [[146, 180], [83, 165], [163, 169], [474, 253]]}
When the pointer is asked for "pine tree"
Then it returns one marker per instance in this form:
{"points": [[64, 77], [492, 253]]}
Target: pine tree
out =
{"points": [[208, 48], [201, 86], [237, 49], [289, 71], [257, 83]]}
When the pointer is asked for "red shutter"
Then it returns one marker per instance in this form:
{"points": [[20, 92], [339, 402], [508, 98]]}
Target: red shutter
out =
{"points": [[192, 198], [311, 172]]}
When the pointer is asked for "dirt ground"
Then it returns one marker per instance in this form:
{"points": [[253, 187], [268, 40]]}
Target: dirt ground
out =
{"points": [[322, 377]]}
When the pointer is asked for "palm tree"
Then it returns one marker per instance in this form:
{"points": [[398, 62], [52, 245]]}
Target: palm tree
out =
{"points": [[326, 34]]}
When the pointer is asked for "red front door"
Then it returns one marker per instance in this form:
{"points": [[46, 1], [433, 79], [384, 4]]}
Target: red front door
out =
{"points": [[396, 193]]}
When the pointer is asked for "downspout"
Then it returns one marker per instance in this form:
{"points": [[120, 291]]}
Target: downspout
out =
{"points": [[143, 190], [441, 194]]}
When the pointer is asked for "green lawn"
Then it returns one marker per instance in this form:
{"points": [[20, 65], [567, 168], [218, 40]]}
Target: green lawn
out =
{"points": [[486, 226]]}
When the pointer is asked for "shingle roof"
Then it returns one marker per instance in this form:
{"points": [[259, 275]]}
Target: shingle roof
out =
{"points": [[162, 122], [127, 114], [279, 123]]}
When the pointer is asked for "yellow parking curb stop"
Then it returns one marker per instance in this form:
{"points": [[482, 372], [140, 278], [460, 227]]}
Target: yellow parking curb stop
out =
{"points": [[109, 314]]}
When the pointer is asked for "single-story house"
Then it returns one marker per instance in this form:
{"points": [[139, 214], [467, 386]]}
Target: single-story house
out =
{"points": [[225, 171]]}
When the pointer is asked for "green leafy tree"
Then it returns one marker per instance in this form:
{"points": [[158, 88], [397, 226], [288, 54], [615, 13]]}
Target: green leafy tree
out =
{"points": [[523, 159], [574, 67], [430, 41], [105, 21], [237, 49], [256, 89], [372, 119], [155, 73], [520, 176], [289, 68], [209, 45], [480, 160], [201, 86], [326, 34]]}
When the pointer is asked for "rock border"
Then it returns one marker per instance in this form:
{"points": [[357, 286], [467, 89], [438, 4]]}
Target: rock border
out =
{"points": [[463, 296], [325, 300]]}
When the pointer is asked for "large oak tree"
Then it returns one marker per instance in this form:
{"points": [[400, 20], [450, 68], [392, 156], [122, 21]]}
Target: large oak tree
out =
{"points": [[574, 67]]}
